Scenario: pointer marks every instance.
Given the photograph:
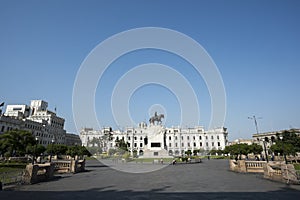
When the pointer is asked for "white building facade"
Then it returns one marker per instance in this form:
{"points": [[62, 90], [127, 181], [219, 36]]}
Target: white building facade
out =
{"points": [[156, 140], [42, 123]]}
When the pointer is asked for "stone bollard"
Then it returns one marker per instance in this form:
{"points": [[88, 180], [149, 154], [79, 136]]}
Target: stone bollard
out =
{"points": [[50, 171], [30, 175], [242, 166]]}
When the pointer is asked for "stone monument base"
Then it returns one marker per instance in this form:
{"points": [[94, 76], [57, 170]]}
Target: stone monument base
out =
{"points": [[162, 153]]}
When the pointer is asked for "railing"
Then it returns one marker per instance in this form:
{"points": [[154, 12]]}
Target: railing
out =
{"points": [[69, 166], [247, 166], [255, 166], [62, 166]]}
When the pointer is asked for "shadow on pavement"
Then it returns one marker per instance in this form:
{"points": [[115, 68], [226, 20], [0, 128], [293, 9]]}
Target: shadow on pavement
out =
{"points": [[106, 193]]}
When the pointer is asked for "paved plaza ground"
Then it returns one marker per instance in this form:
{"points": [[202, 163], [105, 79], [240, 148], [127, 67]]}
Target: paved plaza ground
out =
{"points": [[210, 179]]}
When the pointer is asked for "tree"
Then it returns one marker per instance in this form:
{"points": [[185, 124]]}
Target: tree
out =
{"points": [[57, 149], [289, 145], [188, 152], [196, 151], [14, 143], [122, 146], [77, 151], [255, 148], [243, 149], [36, 149]]}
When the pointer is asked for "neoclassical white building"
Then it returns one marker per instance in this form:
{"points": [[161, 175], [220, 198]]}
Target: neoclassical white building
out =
{"points": [[156, 140]]}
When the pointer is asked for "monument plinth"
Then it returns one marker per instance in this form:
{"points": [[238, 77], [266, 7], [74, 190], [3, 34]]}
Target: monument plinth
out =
{"points": [[156, 145]]}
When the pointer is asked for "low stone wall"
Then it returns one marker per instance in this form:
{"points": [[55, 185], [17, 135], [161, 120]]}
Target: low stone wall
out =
{"points": [[273, 170], [69, 166], [38, 173], [245, 166], [279, 171]]}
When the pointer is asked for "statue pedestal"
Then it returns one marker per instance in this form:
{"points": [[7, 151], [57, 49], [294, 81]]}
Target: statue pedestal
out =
{"points": [[162, 153], [156, 143]]}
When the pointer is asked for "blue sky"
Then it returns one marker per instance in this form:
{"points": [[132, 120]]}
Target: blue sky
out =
{"points": [[255, 45]]}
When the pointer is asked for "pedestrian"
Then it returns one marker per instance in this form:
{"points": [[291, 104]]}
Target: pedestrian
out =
{"points": [[161, 161], [272, 158], [174, 162]]}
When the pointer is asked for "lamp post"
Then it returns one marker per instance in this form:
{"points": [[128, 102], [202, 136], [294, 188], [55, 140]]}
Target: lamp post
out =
{"points": [[265, 149], [36, 143], [281, 138], [255, 122], [52, 143]]}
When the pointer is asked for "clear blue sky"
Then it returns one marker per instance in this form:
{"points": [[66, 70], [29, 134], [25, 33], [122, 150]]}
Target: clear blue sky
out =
{"points": [[255, 45]]}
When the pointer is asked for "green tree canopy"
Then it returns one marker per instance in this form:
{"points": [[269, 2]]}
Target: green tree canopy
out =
{"points": [[14, 143], [57, 149], [77, 151], [244, 149], [288, 145], [122, 146]]}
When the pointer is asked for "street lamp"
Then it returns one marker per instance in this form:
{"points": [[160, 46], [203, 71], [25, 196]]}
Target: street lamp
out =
{"points": [[255, 122], [52, 143], [265, 149], [281, 138], [36, 143]]}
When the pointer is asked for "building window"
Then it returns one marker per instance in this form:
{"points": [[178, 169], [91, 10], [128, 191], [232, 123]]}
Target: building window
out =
{"points": [[200, 144], [188, 137], [194, 144], [129, 138], [135, 145], [170, 138], [212, 137], [134, 138], [141, 144], [176, 144], [207, 144], [155, 144], [200, 138], [194, 138], [170, 145], [212, 144], [182, 137], [206, 137], [219, 144], [218, 137], [182, 144], [141, 138], [127, 144], [175, 137]]}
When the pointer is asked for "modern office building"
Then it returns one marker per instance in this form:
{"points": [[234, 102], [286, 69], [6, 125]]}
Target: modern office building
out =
{"points": [[45, 125]]}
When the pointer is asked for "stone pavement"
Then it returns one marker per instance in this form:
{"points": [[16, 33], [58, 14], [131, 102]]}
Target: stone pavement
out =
{"points": [[209, 180]]}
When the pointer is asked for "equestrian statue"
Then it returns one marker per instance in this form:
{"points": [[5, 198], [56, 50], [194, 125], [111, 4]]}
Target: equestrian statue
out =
{"points": [[156, 118]]}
